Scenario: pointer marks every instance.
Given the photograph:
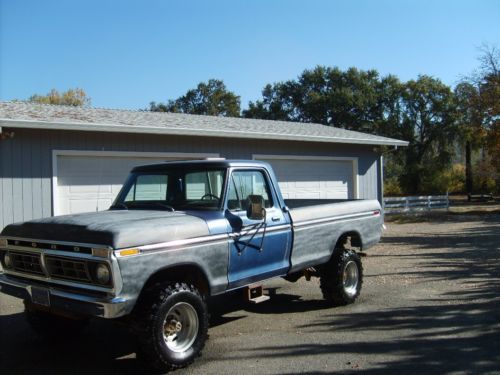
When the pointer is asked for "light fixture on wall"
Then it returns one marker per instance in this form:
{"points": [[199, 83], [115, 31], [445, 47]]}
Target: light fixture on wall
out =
{"points": [[6, 134]]}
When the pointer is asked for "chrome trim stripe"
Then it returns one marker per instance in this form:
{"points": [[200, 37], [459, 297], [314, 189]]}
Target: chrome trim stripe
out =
{"points": [[179, 243], [197, 240], [277, 228], [173, 249], [334, 218]]}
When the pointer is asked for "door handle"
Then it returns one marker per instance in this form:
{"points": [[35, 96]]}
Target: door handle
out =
{"points": [[275, 218]]}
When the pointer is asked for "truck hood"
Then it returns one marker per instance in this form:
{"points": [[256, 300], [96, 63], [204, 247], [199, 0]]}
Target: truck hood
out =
{"points": [[118, 229]]}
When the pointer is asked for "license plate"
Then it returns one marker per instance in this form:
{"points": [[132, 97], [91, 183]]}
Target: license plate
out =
{"points": [[40, 296]]}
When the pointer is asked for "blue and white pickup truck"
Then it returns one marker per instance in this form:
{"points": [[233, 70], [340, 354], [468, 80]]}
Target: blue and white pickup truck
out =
{"points": [[177, 234]]}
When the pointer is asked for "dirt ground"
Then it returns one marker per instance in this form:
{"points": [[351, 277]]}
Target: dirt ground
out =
{"points": [[430, 304]]}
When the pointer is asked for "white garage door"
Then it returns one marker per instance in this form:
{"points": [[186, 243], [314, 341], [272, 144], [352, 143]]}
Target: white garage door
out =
{"points": [[87, 183], [315, 179]]}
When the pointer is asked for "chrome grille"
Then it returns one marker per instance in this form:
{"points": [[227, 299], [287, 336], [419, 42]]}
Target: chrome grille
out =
{"points": [[26, 262], [63, 268]]}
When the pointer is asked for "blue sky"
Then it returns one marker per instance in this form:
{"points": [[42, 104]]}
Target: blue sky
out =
{"points": [[126, 53]]}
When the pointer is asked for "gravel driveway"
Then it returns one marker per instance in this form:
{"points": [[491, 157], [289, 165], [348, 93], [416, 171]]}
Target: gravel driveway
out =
{"points": [[430, 304]]}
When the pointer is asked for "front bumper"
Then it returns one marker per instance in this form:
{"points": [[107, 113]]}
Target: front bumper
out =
{"points": [[68, 301]]}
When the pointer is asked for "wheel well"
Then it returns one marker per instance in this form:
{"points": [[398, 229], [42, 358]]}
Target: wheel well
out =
{"points": [[190, 274], [349, 239]]}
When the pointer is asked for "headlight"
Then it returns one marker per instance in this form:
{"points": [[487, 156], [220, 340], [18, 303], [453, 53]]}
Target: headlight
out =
{"points": [[102, 274], [7, 260]]}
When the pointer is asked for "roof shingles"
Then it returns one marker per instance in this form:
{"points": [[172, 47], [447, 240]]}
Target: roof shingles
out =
{"points": [[43, 116]]}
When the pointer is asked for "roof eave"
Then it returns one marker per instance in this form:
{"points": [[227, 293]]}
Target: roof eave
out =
{"points": [[82, 126]]}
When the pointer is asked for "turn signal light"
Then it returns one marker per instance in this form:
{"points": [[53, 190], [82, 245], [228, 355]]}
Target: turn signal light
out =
{"points": [[128, 252]]}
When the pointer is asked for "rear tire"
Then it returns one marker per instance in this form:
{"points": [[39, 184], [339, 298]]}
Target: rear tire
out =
{"points": [[342, 277], [172, 326]]}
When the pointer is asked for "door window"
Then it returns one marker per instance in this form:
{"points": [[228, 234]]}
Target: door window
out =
{"points": [[245, 183]]}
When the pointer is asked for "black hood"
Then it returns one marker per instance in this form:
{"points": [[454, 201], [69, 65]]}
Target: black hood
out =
{"points": [[118, 229]]}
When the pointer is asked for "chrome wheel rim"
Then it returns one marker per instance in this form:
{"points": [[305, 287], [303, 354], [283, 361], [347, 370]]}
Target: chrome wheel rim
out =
{"points": [[351, 278], [180, 327]]}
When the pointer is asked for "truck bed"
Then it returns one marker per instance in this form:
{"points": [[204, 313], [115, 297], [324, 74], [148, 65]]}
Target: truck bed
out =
{"points": [[318, 224], [298, 203]]}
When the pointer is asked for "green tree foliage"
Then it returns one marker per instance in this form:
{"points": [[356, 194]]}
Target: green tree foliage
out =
{"points": [[478, 98], [73, 97], [421, 111], [323, 95], [429, 123], [489, 89], [470, 123], [211, 98]]}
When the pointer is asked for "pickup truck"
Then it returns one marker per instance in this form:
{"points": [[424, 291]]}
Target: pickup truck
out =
{"points": [[178, 234]]}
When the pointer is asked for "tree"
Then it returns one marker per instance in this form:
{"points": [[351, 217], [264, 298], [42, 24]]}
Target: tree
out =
{"points": [[470, 123], [73, 97], [478, 99], [323, 95], [420, 111], [489, 90], [211, 98], [429, 122]]}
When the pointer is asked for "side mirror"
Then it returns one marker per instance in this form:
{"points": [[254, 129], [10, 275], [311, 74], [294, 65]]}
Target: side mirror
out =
{"points": [[234, 220], [255, 207]]}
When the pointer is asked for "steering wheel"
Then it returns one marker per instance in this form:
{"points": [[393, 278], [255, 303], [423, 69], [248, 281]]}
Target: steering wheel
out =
{"points": [[210, 196]]}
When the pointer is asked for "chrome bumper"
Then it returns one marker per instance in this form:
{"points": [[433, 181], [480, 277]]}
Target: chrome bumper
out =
{"points": [[68, 301]]}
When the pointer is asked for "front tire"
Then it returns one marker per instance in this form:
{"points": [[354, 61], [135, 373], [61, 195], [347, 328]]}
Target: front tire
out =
{"points": [[342, 278], [172, 326]]}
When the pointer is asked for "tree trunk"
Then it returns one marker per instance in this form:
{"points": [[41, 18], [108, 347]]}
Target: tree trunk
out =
{"points": [[468, 167]]}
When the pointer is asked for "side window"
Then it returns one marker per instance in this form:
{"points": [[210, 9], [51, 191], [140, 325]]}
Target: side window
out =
{"points": [[245, 183]]}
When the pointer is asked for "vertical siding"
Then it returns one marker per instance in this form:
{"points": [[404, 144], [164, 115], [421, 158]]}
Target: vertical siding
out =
{"points": [[26, 161], [1, 185], [45, 155], [6, 181], [27, 176], [17, 180]]}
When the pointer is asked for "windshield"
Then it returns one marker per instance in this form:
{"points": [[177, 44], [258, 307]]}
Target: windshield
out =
{"points": [[175, 189]]}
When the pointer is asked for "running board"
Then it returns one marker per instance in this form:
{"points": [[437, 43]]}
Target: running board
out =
{"points": [[255, 294]]}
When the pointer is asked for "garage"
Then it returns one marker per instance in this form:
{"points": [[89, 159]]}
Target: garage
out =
{"points": [[90, 181], [314, 178], [57, 160]]}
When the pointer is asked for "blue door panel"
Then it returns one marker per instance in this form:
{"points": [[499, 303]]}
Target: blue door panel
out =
{"points": [[273, 260]]}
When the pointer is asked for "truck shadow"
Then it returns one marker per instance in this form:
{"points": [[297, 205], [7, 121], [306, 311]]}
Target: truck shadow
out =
{"points": [[454, 331], [100, 348]]}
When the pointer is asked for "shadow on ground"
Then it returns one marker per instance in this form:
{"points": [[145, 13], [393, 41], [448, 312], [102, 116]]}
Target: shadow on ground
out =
{"points": [[457, 333]]}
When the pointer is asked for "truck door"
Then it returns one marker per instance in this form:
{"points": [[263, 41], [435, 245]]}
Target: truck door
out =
{"points": [[259, 249]]}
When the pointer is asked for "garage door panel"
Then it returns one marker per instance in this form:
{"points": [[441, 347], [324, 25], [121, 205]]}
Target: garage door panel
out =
{"points": [[82, 205], [314, 179], [90, 183]]}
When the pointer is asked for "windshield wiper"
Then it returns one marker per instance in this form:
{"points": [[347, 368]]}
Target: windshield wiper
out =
{"points": [[168, 207], [139, 205], [119, 206]]}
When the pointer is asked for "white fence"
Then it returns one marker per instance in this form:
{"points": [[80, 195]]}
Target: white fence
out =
{"points": [[413, 204]]}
